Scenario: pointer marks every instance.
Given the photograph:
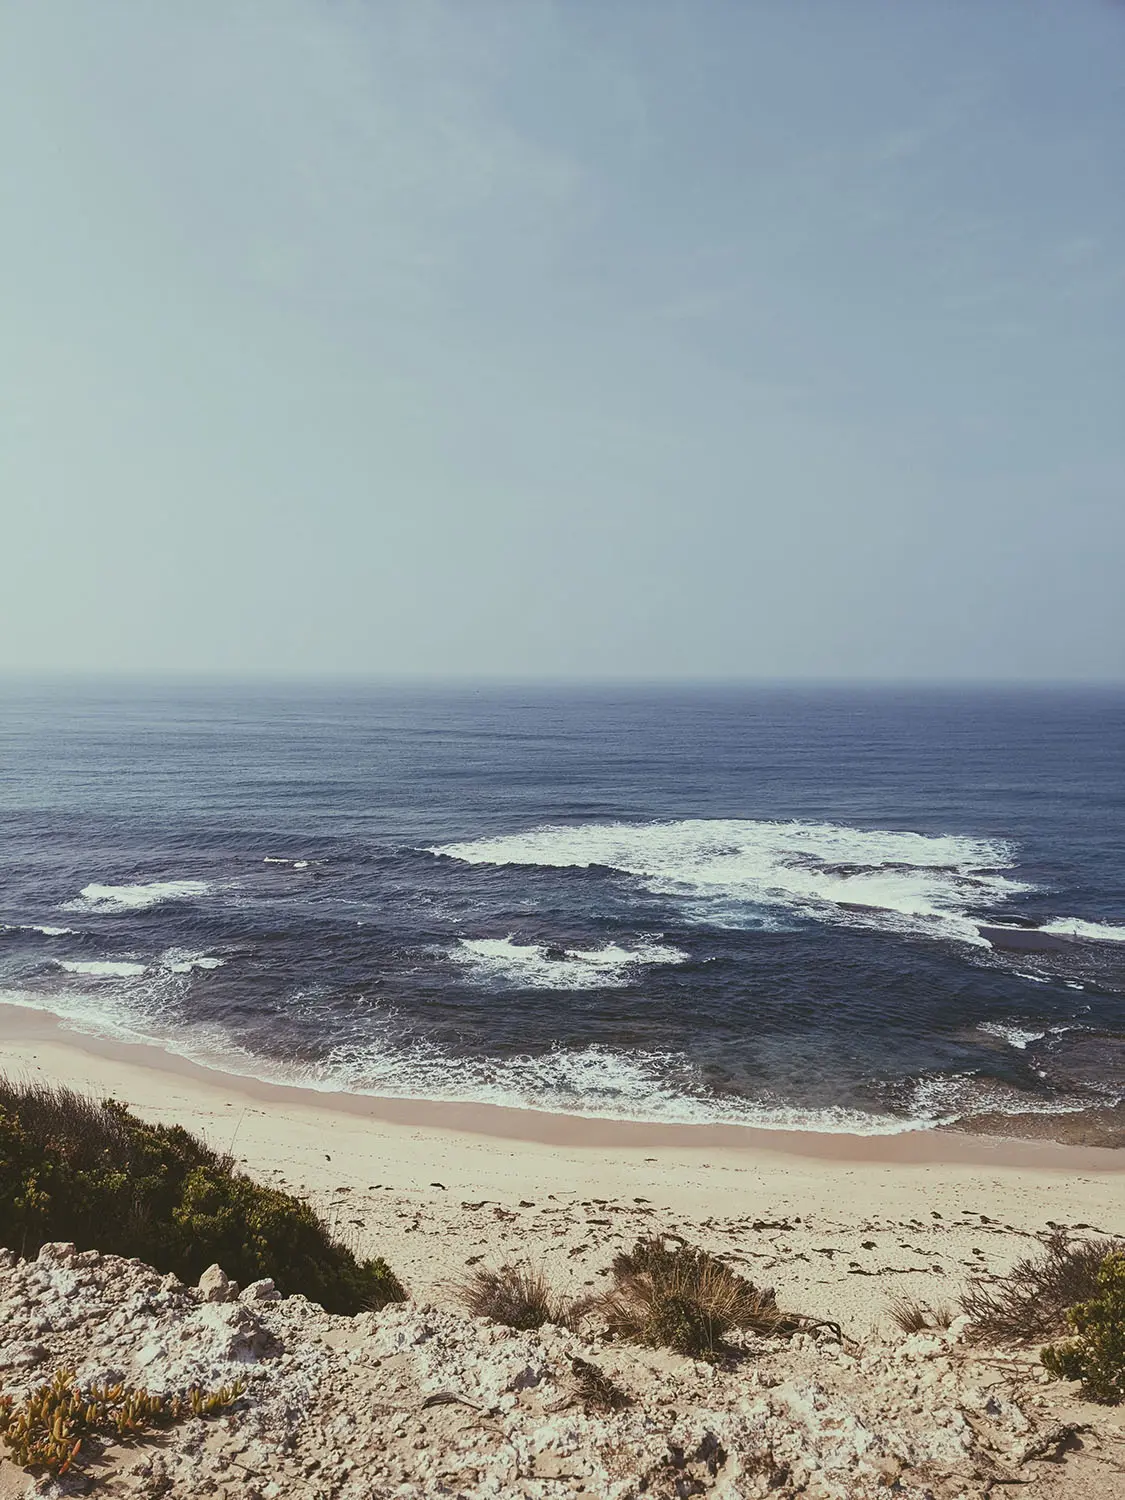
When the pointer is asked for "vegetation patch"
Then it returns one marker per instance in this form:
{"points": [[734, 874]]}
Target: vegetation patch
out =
{"points": [[1095, 1354], [1031, 1302], [520, 1297], [676, 1296], [85, 1170], [58, 1423], [595, 1390], [913, 1316]]}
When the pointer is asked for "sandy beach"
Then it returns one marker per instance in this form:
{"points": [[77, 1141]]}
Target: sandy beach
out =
{"points": [[840, 1224]]}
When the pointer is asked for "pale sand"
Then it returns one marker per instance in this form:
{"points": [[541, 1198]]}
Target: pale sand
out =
{"points": [[839, 1224]]}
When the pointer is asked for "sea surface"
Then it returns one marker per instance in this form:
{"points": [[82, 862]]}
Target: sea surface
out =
{"points": [[754, 905]]}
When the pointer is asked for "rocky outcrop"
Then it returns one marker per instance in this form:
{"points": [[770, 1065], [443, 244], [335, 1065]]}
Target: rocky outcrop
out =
{"points": [[417, 1402]]}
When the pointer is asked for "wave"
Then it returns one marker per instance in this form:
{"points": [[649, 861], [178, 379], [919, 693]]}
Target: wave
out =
{"points": [[944, 1098], [1016, 1036], [929, 883], [103, 968], [182, 961], [121, 898], [593, 1081], [643, 1085], [174, 961], [539, 966], [38, 927], [1096, 932]]}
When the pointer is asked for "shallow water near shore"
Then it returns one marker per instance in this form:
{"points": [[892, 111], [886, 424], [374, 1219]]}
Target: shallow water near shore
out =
{"points": [[752, 906]]}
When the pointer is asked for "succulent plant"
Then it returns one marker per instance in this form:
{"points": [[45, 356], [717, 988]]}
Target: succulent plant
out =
{"points": [[48, 1429]]}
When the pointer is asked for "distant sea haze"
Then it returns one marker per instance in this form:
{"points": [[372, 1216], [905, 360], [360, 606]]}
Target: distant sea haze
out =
{"points": [[865, 910]]}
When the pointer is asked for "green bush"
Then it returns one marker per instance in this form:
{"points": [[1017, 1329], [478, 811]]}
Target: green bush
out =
{"points": [[1096, 1355], [74, 1168]]}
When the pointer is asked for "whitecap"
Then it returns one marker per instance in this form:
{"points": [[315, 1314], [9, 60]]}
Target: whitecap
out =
{"points": [[914, 882], [1075, 927], [102, 968], [39, 927], [1015, 1036], [183, 961], [119, 898], [539, 966]]}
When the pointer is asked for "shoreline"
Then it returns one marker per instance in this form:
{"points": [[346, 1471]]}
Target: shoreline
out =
{"points": [[23, 1029], [841, 1224]]}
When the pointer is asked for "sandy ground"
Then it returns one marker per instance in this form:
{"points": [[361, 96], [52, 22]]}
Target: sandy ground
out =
{"points": [[839, 1224]]}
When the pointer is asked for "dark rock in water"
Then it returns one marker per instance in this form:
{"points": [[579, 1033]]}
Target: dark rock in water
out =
{"points": [[1101, 1125], [1081, 1060], [1026, 939]]}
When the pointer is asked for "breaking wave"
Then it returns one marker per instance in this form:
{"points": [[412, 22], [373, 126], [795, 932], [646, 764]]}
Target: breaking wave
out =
{"points": [[103, 968], [929, 883], [1094, 932], [542, 966], [124, 898]]}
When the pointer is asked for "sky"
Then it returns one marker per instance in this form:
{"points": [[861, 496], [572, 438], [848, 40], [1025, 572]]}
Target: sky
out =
{"points": [[589, 339]]}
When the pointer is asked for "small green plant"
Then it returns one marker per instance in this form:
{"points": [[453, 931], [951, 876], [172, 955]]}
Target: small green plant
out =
{"points": [[913, 1316], [48, 1430], [519, 1296], [1096, 1353], [681, 1298]]}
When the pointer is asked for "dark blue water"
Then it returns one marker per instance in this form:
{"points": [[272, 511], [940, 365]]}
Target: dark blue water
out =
{"points": [[760, 905]]}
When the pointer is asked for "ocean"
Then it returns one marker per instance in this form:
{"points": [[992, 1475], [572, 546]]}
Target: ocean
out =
{"points": [[833, 909]]}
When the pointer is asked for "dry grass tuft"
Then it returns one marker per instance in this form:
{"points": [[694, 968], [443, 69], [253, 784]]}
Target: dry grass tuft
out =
{"points": [[520, 1297], [684, 1299], [1030, 1303], [913, 1316]]}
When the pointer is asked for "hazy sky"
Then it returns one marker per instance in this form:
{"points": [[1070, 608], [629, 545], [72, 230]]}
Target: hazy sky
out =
{"points": [[596, 338]]}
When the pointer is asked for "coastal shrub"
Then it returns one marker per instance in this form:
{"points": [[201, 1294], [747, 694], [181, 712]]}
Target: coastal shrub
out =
{"points": [[679, 1297], [74, 1168], [1096, 1353], [49, 1429], [520, 1297], [1031, 1302], [913, 1316]]}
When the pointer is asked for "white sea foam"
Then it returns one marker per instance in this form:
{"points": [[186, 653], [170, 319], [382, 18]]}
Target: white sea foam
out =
{"points": [[596, 1081], [537, 966], [592, 1080], [120, 898], [911, 881], [102, 968], [182, 961], [38, 927], [1097, 932], [942, 1098], [1015, 1036]]}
